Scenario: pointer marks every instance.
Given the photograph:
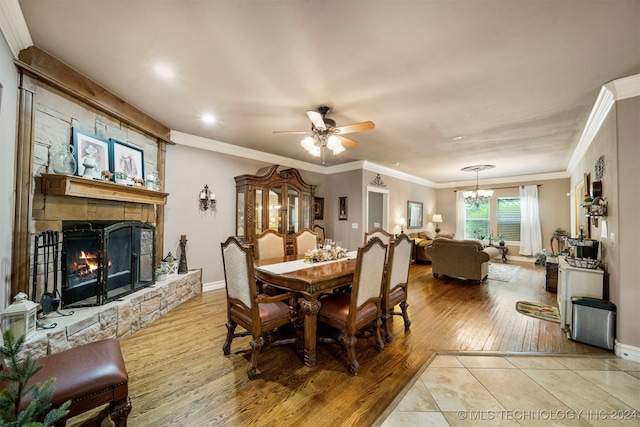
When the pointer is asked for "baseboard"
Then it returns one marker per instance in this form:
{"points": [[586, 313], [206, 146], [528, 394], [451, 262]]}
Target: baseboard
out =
{"points": [[211, 286], [628, 352]]}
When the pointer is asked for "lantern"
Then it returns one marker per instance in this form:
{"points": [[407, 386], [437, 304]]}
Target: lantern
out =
{"points": [[20, 317]]}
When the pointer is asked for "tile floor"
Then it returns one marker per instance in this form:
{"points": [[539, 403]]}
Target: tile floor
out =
{"points": [[496, 390]]}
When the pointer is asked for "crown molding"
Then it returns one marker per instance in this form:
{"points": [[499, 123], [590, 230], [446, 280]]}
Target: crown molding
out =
{"points": [[616, 90], [626, 87], [202, 143], [505, 180], [14, 27]]}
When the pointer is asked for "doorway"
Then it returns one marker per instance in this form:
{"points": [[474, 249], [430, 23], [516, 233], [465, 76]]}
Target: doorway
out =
{"points": [[377, 208]]}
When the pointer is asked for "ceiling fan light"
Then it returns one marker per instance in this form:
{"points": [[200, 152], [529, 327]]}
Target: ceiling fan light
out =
{"points": [[339, 149], [333, 142], [308, 143], [315, 151]]}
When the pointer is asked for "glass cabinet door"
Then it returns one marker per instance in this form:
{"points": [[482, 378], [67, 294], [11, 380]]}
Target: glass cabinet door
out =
{"points": [[275, 209], [305, 211], [258, 216], [293, 201], [240, 203]]}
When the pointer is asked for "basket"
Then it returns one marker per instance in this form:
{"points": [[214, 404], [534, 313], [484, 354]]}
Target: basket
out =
{"points": [[583, 262]]}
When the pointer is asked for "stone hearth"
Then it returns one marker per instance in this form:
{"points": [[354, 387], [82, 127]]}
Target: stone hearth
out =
{"points": [[117, 319]]}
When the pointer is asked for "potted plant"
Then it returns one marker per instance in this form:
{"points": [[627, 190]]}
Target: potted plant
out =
{"points": [[120, 177], [161, 273]]}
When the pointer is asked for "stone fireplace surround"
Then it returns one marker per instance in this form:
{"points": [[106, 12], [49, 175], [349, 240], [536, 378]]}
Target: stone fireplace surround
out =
{"points": [[117, 319]]}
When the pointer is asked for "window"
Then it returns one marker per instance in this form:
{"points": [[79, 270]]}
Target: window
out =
{"points": [[509, 218], [477, 221]]}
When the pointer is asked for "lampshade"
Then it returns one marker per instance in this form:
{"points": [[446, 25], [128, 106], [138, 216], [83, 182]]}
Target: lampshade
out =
{"points": [[401, 222], [436, 218]]}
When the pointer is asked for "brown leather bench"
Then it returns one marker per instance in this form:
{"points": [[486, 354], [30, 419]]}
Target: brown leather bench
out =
{"points": [[90, 375]]}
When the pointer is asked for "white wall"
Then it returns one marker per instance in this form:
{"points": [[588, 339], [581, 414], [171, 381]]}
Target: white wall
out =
{"points": [[8, 106]]}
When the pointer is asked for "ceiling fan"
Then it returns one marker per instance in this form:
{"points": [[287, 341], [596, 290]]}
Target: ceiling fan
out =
{"points": [[325, 134]]}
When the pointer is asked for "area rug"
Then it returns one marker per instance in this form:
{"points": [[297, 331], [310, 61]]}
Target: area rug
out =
{"points": [[502, 272], [539, 311]]}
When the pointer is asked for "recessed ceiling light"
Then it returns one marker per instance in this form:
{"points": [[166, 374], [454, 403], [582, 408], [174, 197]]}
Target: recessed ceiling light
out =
{"points": [[164, 70], [208, 118]]}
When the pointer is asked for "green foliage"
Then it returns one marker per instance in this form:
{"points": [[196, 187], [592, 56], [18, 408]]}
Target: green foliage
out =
{"points": [[18, 374], [541, 258]]}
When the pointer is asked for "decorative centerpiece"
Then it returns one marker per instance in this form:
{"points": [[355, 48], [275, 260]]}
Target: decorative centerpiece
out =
{"points": [[325, 254]]}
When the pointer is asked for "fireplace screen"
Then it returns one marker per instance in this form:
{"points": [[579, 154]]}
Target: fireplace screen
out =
{"points": [[102, 262]]}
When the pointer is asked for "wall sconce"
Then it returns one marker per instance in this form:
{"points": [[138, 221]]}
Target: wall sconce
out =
{"points": [[402, 223], [207, 199], [436, 219]]}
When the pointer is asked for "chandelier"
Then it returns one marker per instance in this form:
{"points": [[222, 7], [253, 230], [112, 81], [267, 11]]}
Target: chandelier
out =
{"points": [[316, 143], [476, 196]]}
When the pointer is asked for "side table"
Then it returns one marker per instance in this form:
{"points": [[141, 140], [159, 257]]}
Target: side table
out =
{"points": [[503, 250]]}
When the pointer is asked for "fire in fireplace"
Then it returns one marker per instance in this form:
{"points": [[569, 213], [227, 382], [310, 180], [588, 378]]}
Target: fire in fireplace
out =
{"points": [[103, 261]]}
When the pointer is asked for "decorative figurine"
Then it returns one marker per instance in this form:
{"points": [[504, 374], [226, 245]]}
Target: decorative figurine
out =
{"points": [[182, 266]]}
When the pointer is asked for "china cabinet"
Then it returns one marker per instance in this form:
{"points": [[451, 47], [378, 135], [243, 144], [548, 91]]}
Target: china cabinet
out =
{"points": [[272, 199]]}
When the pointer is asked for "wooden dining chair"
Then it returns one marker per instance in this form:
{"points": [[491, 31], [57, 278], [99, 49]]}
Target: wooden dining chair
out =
{"points": [[270, 244], [394, 291], [351, 312], [304, 240], [319, 230], [380, 234], [258, 313]]}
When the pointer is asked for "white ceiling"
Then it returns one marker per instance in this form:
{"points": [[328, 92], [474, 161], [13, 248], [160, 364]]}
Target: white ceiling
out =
{"points": [[516, 79]]}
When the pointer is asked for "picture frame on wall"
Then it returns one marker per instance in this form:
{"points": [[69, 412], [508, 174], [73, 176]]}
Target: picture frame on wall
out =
{"points": [[342, 208], [318, 208], [90, 149], [127, 158]]}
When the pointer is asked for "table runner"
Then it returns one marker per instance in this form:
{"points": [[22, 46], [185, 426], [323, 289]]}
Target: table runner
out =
{"points": [[299, 264]]}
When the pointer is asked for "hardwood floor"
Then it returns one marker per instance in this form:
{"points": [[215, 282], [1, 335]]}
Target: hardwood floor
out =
{"points": [[178, 375]]}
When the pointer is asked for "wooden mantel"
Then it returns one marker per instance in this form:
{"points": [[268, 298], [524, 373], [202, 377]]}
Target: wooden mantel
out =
{"points": [[75, 186]]}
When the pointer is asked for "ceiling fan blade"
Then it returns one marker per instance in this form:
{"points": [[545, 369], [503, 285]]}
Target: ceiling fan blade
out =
{"points": [[348, 143], [291, 132], [316, 119], [356, 127]]}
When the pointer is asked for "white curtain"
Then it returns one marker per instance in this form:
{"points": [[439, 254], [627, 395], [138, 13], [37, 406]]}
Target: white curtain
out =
{"points": [[530, 234], [461, 215]]}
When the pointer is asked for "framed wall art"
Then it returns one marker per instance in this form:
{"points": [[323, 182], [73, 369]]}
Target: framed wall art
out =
{"points": [[342, 208], [127, 158], [90, 150], [414, 214], [318, 208]]}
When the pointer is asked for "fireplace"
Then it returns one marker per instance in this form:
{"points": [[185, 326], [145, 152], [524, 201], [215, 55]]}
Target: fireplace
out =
{"points": [[103, 261]]}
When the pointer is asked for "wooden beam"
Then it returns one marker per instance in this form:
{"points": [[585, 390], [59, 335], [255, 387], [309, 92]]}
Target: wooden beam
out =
{"points": [[59, 75], [21, 248]]}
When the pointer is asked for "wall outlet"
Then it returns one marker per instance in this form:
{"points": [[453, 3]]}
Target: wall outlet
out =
{"points": [[354, 225], [612, 237]]}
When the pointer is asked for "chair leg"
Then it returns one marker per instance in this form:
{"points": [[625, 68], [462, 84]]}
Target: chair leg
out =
{"points": [[405, 315], [388, 336], [231, 327], [256, 346], [349, 341], [376, 331]]}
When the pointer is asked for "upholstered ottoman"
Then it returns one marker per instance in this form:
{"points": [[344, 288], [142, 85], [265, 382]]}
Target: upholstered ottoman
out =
{"points": [[90, 375]]}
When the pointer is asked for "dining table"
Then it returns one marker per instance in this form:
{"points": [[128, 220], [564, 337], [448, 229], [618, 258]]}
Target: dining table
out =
{"points": [[310, 281]]}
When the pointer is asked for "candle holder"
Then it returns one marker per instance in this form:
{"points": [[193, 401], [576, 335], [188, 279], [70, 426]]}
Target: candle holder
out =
{"points": [[182, 265], [207, 199]]}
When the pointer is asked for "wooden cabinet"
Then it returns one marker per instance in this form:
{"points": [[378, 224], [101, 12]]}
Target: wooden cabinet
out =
{"points": [[579, 282], [272, 199]]}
